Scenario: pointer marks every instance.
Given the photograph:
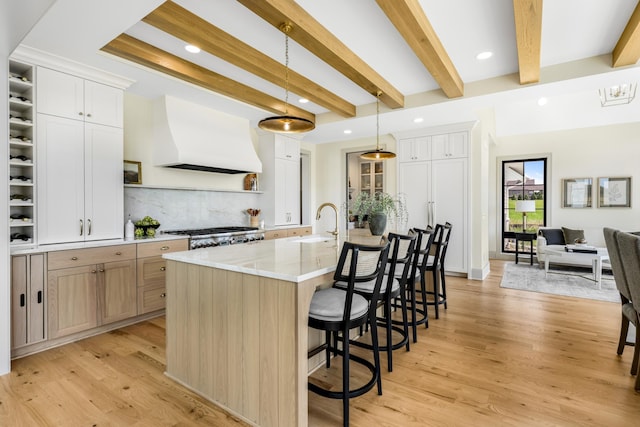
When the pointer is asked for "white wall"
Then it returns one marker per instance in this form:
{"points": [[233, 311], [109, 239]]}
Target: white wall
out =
{"points": [[608, 151]]}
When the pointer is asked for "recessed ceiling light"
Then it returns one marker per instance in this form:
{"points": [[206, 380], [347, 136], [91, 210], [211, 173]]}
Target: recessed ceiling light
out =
{"points": [[347, 131], [484, 55], [191, 48], [303, 100], [542, 101], [418, 120]]}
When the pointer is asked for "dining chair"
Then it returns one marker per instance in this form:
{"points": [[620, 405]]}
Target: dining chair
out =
{"points": [[629, 246], [628, 312], [336, 311]]}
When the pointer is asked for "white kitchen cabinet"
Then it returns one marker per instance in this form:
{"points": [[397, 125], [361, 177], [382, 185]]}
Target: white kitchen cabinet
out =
{"points": [[372, 177], [64, 95], [437, 192], [449, 146], [415, 149], [80, 195], [280, 179]]}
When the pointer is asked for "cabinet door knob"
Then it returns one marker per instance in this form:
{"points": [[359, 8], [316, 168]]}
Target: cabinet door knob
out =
{"points": [[101, 270], [74, 258], [163, 268], [93, 272], [80, 113], [163, 295], [164, 248], [88, 115]]}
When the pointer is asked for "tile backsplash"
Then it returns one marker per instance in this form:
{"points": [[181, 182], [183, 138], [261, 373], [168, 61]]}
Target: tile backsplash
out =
{"points": [[184, 208]]}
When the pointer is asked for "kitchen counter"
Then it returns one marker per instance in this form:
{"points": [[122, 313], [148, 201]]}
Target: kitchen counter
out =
{"points": [[236, 319], [33, 249]]}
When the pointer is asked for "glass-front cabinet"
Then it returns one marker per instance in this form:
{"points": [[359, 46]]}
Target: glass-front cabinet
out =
{"points": [[372, 177]]}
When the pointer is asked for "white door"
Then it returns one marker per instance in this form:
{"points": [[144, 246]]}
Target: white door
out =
{"points": [[414, 182], [449, 187], [60, 179], [293, 191], [103, 182]]}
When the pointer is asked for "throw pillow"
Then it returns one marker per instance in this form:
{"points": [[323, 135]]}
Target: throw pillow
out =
{"points": [[570, 236], [553, 236]]}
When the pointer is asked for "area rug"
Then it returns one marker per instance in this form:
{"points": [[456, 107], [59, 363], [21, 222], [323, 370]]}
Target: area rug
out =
{"points": [[568, 282]]}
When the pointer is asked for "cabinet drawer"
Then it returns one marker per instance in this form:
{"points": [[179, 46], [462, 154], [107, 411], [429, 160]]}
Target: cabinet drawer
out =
{"points": [[151, 271], [151, 298], [149, 249], [80, 257], [298, 231], [275, 234]]}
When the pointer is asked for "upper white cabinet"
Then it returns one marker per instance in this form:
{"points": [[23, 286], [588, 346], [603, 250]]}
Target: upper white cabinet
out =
{"points": [[81, 191], [280, 179], [64, 95], [449, 146], [415, 149]]}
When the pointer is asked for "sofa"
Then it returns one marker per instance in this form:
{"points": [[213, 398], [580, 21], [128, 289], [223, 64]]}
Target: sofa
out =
{"points": [[557, 238]]}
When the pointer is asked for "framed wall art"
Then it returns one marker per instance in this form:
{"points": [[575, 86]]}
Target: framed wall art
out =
{"points": [[614, 192], [132, 172], [576, 193]]}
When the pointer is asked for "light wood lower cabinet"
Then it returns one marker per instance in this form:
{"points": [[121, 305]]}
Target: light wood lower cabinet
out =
{"points": [[286, 232], [83, 297], [27, 299], [151, 273]]}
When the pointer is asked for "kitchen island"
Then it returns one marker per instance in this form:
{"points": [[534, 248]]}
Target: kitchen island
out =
{"points": [[237, 323]]}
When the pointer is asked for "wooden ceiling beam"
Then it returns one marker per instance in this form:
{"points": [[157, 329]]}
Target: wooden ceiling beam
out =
{"points": [[411, 22], [318, 40], [181, 23], [528, 21], [627, 50], [132, 49]]}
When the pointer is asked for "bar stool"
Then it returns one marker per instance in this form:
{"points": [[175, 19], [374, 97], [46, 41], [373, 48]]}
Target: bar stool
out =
{"points": [[423, 245], [401, 248], [436, 266], [336, 311]]}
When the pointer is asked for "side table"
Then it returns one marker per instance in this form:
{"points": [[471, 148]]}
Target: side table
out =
{"points": [[525, 237]]}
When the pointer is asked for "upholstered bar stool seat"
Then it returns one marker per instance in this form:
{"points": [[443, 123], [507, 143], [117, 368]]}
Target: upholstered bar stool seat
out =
{"points": [[328, 305]]}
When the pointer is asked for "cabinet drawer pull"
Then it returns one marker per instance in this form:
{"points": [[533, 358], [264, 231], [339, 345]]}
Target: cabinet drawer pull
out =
{"points": [[74, 258], [22, 300], [163, 268], [39, 297], [118, 253], [101, 270], [164, 248], [89, 115], [89, 224], [81, 227], [93, 272]]}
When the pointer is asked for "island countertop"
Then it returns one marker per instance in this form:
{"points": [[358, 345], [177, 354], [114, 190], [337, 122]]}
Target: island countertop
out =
{"points": [[294, 259]]}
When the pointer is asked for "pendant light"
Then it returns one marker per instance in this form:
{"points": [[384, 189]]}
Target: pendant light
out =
{"points": [[377, 154], [286, 123]]}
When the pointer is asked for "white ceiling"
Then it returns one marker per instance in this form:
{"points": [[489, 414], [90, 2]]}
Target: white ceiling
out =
{"points": [[577, 39]]}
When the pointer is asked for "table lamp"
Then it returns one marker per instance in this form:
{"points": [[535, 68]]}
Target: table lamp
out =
{"points": [[525, 206]]}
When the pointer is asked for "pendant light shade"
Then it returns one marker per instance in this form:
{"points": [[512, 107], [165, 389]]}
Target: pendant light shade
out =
{"points": [[286, 123], [377, 154]]}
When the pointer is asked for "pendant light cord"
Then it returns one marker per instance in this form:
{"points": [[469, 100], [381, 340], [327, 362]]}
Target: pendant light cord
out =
{"points": [[378, 121], [285, 29]]}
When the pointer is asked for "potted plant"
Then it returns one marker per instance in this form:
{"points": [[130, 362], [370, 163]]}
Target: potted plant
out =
{"points": [[376, 207]]}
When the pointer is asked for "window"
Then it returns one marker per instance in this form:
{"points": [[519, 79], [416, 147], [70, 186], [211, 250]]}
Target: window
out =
{"points": [[524, 206]]}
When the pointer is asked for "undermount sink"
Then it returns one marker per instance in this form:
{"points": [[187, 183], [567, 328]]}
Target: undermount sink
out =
{"points": [[313, 239]]}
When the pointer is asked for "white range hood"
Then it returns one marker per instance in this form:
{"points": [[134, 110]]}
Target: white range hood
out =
{"points": [[190, 136]]}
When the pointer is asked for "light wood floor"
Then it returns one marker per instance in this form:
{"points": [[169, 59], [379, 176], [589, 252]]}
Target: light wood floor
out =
{"points": [[495, 357]]}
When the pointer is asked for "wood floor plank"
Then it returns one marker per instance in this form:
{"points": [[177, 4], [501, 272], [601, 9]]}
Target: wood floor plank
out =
{"points": [[496, 357]]}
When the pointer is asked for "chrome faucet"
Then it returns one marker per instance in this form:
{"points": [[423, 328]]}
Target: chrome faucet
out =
{"points": [[335, 209]]}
